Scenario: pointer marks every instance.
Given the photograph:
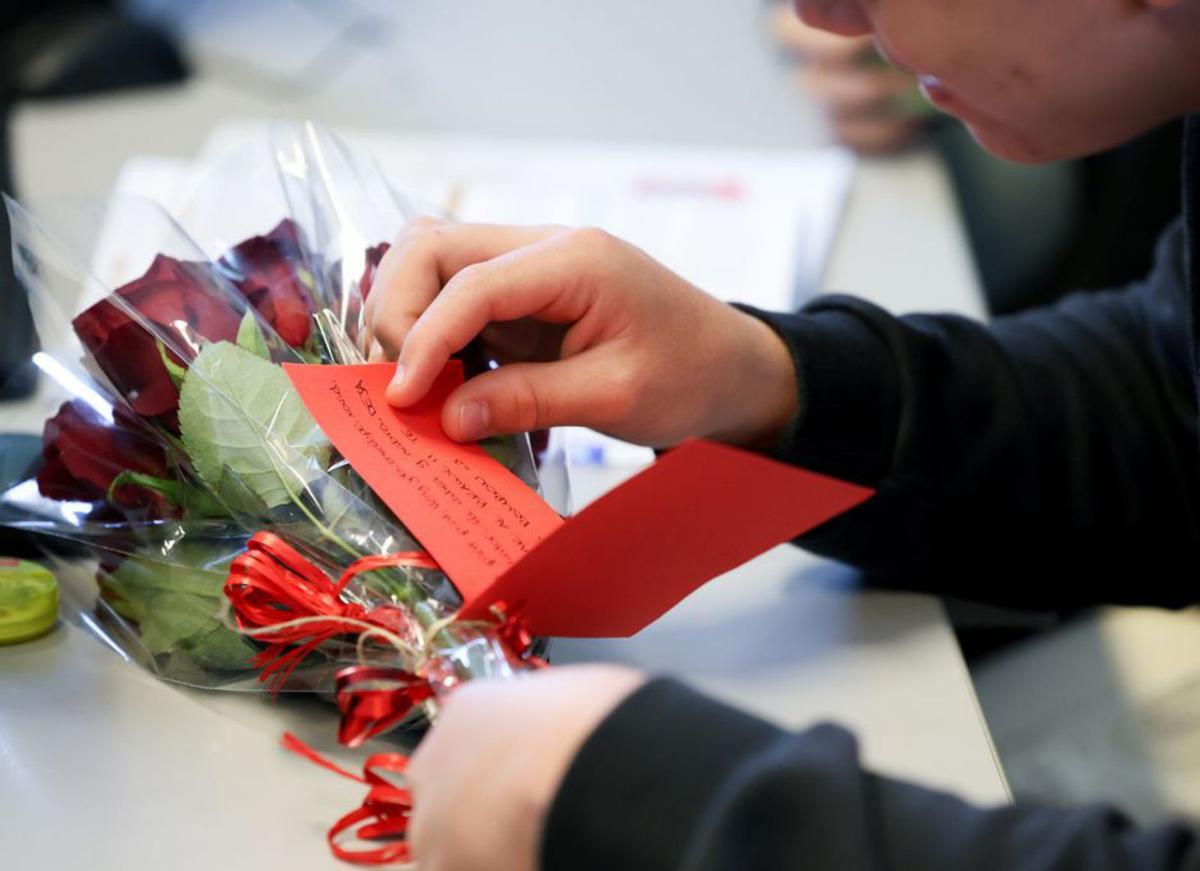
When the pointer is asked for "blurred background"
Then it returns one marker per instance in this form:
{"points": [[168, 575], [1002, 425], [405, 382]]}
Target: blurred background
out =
{"points": [[98, 94]]}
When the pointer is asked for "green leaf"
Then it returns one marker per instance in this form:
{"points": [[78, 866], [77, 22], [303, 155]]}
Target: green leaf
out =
{"points": [[193, 569], [250, 336], [175, 372], [177, 605], [247, 431], [164, 487], [221, 649], [306, 278], [172, 619], [195, 500]]}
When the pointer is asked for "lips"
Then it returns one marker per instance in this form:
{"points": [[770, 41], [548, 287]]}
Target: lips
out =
{"points": [[937, 93]]}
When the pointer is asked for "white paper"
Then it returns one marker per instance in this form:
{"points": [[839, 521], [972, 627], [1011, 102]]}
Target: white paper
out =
{"points": [[747, 225]]}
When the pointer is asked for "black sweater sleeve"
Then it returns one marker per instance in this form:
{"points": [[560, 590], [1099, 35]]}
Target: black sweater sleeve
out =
{"points": [[673, 781], [1047, 459]]}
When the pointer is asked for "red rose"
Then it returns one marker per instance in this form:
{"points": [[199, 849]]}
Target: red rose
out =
{"points": [[266, 269], [82, 454], [374, 256], [185, 305]]}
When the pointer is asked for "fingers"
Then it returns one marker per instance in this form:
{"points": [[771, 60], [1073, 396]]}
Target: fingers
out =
{"points": [[818, 47], [441, 767], [427, 253], [377, 301], [869, 91], [549, 280], [842, 17], [521, 397], [880, 135], [870, 104]]}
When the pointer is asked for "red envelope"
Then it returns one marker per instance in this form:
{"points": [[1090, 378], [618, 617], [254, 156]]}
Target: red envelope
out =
{"points": [[622, 562]]}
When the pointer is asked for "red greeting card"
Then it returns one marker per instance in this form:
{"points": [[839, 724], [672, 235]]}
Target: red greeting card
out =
{"points": [[475, 517], [615, 567]]}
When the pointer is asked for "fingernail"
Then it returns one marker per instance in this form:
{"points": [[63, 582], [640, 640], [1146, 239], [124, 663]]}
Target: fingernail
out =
{"points": [[398, 377], [473, 420]]}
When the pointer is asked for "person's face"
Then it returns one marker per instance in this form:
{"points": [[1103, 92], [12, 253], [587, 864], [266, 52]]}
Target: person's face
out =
{"points": [[1037, 80]]}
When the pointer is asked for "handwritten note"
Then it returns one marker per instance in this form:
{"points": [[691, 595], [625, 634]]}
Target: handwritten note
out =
{"points": [[699, 511], [634, 553], [474, 517]]}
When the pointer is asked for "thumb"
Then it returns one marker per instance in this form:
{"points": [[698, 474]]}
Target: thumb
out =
{"points": [[522, 397]]}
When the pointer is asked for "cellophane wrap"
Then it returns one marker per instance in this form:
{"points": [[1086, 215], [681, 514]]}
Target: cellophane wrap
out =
{"points": [[174, 435]]}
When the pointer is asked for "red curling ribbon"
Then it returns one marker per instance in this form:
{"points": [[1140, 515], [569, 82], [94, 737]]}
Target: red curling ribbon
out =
{"points": [[272, 583], [374, 699], [384, 814], [514, 633]]}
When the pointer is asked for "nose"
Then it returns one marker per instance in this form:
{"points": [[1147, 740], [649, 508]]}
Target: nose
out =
{"points": [[843, 17]]}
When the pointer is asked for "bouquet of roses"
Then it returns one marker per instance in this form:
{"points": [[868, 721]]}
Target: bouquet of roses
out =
{"points": [[223, 539], [233, 547]]}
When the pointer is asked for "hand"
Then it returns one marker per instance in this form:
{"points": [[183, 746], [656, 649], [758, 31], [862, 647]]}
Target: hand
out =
{"points": [[484, 777], [871, 106], [593, 332]]}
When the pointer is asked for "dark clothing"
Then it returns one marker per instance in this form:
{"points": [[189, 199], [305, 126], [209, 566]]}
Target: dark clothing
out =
{"points": [[673, 781], [1125, 197], [1051, 458], [1038, 233]]}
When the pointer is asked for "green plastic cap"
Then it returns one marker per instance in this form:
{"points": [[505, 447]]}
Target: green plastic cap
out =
{"points": [[28, 601]]}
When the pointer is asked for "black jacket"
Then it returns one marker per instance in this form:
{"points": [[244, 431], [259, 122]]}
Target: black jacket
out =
{"points": [[1049, 459]]}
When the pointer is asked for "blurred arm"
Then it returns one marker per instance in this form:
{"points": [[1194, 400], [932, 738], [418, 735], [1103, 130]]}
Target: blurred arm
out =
{"points": [[672, 779], [1049, 459]]}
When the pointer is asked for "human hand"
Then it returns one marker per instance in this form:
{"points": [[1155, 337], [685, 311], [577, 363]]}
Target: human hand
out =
{"points": [[592, 332], [484, 777], [872, 107]]}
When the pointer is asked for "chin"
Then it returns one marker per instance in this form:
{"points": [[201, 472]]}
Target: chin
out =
{"points": [[1049, 143], [1018, 146]]}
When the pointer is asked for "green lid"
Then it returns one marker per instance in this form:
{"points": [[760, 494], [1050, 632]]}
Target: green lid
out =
{"points": [[28, 600]]}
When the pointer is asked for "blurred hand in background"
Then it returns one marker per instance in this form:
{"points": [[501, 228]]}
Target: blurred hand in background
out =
{"points": [[872, 107]]}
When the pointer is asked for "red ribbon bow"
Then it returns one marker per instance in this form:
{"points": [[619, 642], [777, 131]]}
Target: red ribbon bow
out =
{"points": [[383, 815], [514, 632], [373, 700], [272, 584]]}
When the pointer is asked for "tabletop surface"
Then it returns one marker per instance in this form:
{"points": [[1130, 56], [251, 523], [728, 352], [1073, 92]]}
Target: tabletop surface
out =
{"points": [[101, 763], [98, 758]]}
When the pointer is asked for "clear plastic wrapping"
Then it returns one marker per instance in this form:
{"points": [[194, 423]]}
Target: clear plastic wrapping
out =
{"points": [[178, 437]]}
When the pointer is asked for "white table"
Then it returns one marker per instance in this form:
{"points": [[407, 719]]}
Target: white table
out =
{"points": [[100, 765], [789, 637]]}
